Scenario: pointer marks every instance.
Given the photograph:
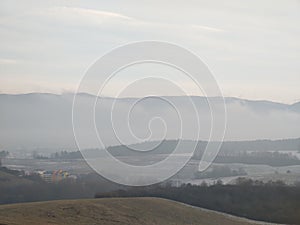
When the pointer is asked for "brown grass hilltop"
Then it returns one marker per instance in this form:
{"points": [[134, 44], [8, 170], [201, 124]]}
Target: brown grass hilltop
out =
{"points": [[131, 211]]}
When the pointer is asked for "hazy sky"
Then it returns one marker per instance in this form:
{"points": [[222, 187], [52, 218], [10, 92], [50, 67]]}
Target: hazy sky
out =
{"points": [[252, 47]]}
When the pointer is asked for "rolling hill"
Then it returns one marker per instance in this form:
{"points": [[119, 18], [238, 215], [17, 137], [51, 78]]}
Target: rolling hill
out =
{"points": [[110, 211]]}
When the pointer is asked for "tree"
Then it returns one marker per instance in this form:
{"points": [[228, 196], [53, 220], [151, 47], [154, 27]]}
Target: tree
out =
{"points": [[3, 154]]}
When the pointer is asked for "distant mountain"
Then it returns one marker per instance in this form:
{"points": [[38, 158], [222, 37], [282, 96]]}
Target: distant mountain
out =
{"points": [[295, 107], [39, 121]]}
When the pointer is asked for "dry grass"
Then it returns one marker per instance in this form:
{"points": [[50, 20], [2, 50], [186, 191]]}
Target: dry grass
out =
{"points": [[131, 211]]}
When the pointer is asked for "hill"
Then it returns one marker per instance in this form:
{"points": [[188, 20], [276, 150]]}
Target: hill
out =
{"points": [[113, 211]]}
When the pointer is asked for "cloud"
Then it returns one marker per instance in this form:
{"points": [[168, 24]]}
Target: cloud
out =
{"points": [[207, 28], [8, 61], [83, 16], [95, 13]]}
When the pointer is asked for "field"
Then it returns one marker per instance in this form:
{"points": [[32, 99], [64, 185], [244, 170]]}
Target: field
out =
{"points": [[110, 211]]}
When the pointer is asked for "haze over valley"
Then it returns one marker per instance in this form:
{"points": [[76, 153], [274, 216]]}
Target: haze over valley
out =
{"points": [[44, 121]]}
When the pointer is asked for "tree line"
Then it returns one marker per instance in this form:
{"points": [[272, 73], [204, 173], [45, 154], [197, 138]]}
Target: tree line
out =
{"points": [[271, 202]]}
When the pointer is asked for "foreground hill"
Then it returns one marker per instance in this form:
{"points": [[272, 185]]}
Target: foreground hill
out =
{"points": [[111, 211]]}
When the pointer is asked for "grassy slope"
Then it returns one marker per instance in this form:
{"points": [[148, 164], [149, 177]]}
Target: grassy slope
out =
{"points": [[131, 211]]}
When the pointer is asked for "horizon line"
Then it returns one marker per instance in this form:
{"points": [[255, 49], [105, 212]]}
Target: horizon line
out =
{"points": [[137, 97]]}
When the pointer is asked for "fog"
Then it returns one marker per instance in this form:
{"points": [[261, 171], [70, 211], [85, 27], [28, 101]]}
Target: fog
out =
{"points": [[45, 120]]}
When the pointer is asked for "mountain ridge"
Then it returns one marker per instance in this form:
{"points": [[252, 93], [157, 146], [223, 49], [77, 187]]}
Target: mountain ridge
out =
{"points": [[229, 98]]}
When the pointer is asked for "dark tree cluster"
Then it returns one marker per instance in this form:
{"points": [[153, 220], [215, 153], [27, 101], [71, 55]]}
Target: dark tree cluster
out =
{"points": [[271, 202], [220, 171], [262, 158], [16, 187]]}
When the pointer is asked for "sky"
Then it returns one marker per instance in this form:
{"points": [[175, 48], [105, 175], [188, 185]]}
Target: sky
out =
{"points": [[252, 47]]}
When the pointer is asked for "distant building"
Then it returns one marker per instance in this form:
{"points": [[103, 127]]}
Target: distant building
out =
{"points": [[55, 176]]}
